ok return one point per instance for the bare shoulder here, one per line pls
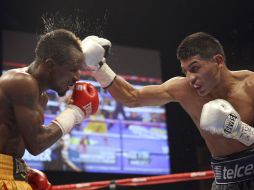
(249, 82)
(177, 86)
(18, 84)
(246, 76)
(243, 74)
(246, 79)
(176, 83)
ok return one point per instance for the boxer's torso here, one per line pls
(11, 142)
(240, 97)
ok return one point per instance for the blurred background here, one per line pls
(145, 35)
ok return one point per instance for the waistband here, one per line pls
(12, 168)
(234, 168)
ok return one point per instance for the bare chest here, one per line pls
(43, 99)
(242, 102)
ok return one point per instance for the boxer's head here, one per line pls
(60, 53)
(200, 43)
(202, 57)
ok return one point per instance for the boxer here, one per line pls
(207, 78)
(58, 60)
(219, 117)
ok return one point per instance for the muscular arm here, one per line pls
(150, 95)
(94, 50)
(23, 93)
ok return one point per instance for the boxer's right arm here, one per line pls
(94, 50)
(23, 94)
(219, 117)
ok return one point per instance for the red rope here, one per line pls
(140, 181)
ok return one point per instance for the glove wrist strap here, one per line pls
(104, 75)
(71, 116)
(246, 134)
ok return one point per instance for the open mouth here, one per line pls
(70, 84)
(197, 86)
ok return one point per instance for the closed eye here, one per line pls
(194, 69)
(74, 70)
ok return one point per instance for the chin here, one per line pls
(61, 93)
(202, 93)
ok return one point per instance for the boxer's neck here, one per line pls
(224, 86)
(38, 72)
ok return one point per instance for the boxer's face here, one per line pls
(64, 76)
(202, 75)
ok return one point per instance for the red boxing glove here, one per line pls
(85, 102)
(85, 96)
(38, 180)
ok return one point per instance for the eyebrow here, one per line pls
(192, 63)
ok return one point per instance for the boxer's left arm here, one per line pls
(38, 180)
(219, 117)
(150, 95)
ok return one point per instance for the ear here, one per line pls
(50, 64)
(219, 59)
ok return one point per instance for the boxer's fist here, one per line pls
(85, 101)
(219, 117)
(105, 43)
(85, 96)
(214, 116)
(38, 180)
(95, 50)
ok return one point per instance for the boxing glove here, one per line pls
(96, 50)
(85, 101)
(38, 180)
(219, 117)
(85, 96)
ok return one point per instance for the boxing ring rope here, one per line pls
(140, 181)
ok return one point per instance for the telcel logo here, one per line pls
(238, 171)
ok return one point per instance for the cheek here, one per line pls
(59, 81)
(211, 76)
(63, 76)
(204, 76)
(208, 76)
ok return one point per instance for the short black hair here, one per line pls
(56, 45)
(200, 43)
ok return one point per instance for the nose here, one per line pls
(76, 76)
(191, 78)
